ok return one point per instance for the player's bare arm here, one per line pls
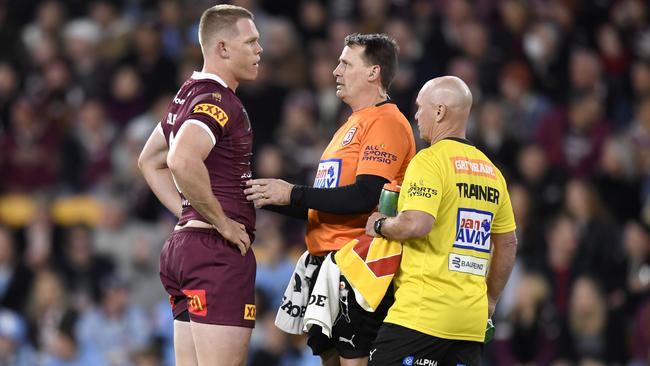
(503, 258)
(406, 225)
(185, 160)
(153, 165)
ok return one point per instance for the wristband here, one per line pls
(377, 226)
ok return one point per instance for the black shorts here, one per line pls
(399, 346)
(355, 329)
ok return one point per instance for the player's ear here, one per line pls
(222, 49)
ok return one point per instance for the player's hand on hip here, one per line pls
(268, 192)
(370, 224)
(235, 233)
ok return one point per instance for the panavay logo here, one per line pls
(473, 230)
(328, 174)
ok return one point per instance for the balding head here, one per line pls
(449, 91)
(444, 104)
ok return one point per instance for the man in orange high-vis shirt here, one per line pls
(373, 147)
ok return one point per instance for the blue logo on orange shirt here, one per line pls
(328, 174)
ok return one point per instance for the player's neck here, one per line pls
(227, 77)
(365, 100)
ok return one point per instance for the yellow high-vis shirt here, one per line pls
(440, 287)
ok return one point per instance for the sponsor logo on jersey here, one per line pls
(171, 118)
(420, 190)
(216, 96)
(348, 136)
(196, 302)
(249, 312)
(178, 100)
(379, 154)
(478, 192)
(463, 165)
(467, 264)
(214, 111)
(328, 174)
(473, 230)
(408, 361)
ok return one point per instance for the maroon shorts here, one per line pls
(209, 278)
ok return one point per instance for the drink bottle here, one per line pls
(489, 331)
(388, 199)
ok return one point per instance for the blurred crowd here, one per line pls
(561, 104)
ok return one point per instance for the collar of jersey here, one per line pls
(206, 75)
(388, 100)
(458, 139)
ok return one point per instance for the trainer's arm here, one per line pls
(185, 160)
(295, 212)
(153, 165)
(358, 198)
(406, 225)
(503, 258)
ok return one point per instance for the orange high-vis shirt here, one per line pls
(376, 140)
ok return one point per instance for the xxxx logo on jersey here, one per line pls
(249, 312)
(218, 114)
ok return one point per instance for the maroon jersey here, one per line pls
(204, 100)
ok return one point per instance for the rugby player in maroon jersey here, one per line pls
(197, 161)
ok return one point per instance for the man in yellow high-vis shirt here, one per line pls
(458, 231)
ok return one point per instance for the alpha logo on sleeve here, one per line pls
(467, 264)
(473, 230)
(463, 165)
(218, 114)
(328, 174)
(196, 303)
(249, 312)
(348, 136)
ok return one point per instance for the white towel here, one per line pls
(323, 308)
(296, 297)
